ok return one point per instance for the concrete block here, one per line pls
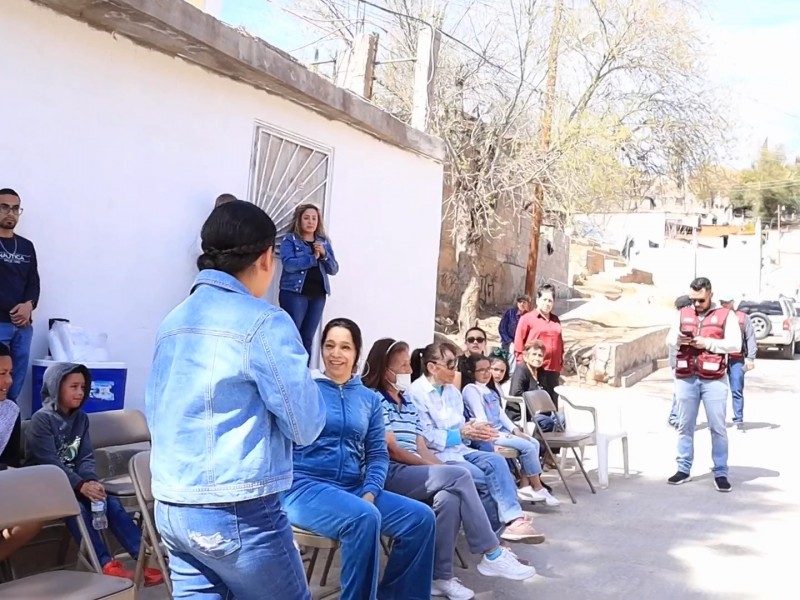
(636, 375)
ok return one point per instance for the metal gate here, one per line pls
(286, 171)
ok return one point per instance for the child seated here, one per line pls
(59, 435)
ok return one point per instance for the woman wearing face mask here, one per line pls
(483, 401)
(415, 472)
(308, 263)
(339, 478)
(541, 324)
(441, 415)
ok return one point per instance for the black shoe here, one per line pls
(722, 484)
(679, 478)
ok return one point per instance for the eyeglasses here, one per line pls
(699, 300)
(473, 340)
(7, 208)
(484, 370)
(450, 365)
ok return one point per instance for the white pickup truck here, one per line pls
(776, 324)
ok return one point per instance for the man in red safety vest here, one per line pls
(741, 361)
(703, 334)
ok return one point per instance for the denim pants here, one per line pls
(242, 550)
(673, 411)
(736, 378)
(306, 312)
(119, 522)
(713, 393)
(18, 341)
(491, 475)
(528, 453)
(456, 504)
(340, 513)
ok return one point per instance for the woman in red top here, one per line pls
(541, 324)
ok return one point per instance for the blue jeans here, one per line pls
(673, 411)
(18, 341)
(119, 522)
(736, 377)
(306, 312)
(713, 393)
(341, 514)
(492, 477)
(528, 453)
(242, 550)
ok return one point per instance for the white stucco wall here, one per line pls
(118, 153)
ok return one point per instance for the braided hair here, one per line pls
(235, 234)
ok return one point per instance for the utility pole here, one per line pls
(358, 69)
(547, 126)
(779, 233)
(428, 42)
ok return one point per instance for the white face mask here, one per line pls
(402, 382)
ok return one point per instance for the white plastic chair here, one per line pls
(605, 423)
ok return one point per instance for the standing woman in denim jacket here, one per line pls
(228, 394)
(338, 484)
(308, 261)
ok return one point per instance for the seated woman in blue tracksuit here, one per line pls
(338, 484)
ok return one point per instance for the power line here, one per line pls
(477, 53)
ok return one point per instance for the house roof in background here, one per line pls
(179, 29)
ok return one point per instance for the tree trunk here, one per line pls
(467, 249)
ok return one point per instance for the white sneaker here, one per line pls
(452, 589)
(506, 565)
(528, 494)
(549, 499)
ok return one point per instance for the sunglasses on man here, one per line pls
(475, 339)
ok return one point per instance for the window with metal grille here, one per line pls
(287, 170)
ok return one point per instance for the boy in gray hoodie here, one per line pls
(59, 435)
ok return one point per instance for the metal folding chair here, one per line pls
(42, 493)
(139, 470)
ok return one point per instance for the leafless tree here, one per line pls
(632, 103)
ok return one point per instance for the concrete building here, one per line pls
(123, 121)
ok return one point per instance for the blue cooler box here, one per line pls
(108, 385)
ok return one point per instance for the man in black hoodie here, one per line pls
(59, 435)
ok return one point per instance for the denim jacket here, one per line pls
(351, 450)
(228, 393)
(297, 258)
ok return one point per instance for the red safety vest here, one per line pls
(692, 361)
(740, 355)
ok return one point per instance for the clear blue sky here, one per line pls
(754, 56)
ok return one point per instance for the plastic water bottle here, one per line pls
(99, 518)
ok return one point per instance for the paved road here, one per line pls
(642, 539)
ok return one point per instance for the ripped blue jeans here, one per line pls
(242, 550)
